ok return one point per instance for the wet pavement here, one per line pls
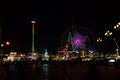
(57, 71)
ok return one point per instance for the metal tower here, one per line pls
(33, 28)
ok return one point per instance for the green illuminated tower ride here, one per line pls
(33, 28)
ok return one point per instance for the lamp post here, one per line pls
(117, 47)
(99, 40)
(7, 43)
(108, 34)
(117, 27)
(5, 46)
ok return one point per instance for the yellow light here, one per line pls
(7, 43)
(115, 27)
(99, 40)
(2, 45)
(108, 33)
(119, 23)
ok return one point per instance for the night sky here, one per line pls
(52, 20)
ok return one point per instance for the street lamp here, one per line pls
(99, 40)
(2, 45)
(117, 27)
(7, 43)
(108, 33)
(117, 47)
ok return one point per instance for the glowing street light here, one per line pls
(2, 45)
(5, 46)
(99, 40)
(7, 43)
(117, 27)
(108, 33)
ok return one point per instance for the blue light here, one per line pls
(77, 51)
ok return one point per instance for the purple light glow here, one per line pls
(78, 41)
(78, 38)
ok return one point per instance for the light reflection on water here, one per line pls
(45, 71)
(52, 71)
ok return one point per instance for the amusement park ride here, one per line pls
(77, 41)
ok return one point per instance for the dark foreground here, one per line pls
(58, 71)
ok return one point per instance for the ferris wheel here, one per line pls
(78, 38)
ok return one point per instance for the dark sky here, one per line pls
(53, 18)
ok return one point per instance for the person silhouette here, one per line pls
(92, 73)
